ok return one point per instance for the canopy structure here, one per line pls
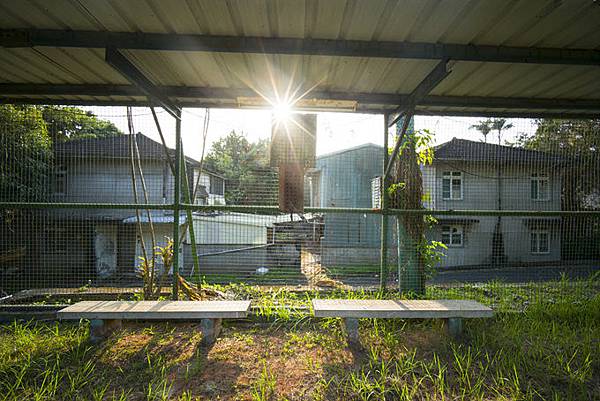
(530, 58)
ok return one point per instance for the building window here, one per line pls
(217, 185)
(452, 235)
(540, 242)
(59, 182)
(452, 185)
(540, 187)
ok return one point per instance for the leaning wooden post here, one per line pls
(383, 269)
(176, 205)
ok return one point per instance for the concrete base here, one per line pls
(101, 329)
(454, 326)
(210, 330)
(352, 330)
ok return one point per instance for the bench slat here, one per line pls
(155, 310)
(416, 309)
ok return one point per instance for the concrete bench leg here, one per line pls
(101, 329)
(352, 330)
(454, 327)
(210, 330)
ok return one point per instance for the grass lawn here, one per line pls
(543, 344)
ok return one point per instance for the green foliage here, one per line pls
(416, 255)
(26, 154)
(496, 124)
(152, 274)
(431, 253)
(68, 123)
(484, 127)
(245, 165)
(264, 387)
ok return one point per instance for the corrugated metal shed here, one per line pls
(540, 36)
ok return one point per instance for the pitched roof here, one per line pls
(352, 149)
(117, 147)
(465, 150)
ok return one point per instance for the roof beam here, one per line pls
(557, 114)
(585, 113)
(432, 79)
(119, 62)
(231, 94)
(325, 47)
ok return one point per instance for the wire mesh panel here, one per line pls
(88, 203)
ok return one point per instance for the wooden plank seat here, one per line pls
(452, 311)
(107, 316)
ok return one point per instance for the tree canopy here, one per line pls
(26, 137)
(245, 165)
(26, 151)
(496, 124)
(68, 123)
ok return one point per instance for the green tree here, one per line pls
(250, 180)
(484, 127)
(499, 125)
(26, 151)
(25, 160)
(68, 123)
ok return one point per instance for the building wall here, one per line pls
(217, 230)
(109, 181)
(345, 178)
(345, 181)
(480, 187)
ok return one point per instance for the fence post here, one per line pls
(383, 273)
(176, 205)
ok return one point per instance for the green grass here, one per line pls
(542, 344)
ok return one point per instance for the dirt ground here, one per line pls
(246, 358)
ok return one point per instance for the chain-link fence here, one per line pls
(90, 203)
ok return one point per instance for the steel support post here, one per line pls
(383, 266)
(176, 205)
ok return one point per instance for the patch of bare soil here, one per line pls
(243, 360)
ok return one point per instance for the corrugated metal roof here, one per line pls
(526, 23)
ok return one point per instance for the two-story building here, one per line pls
(469, 175)
(103, 242)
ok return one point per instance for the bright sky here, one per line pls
(335, 131)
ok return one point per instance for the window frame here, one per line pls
(449, 232)
(536, 250)
(537, 178)
(451, 176)
(211, 186)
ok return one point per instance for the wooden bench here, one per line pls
(452, 311)
(107, 316)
